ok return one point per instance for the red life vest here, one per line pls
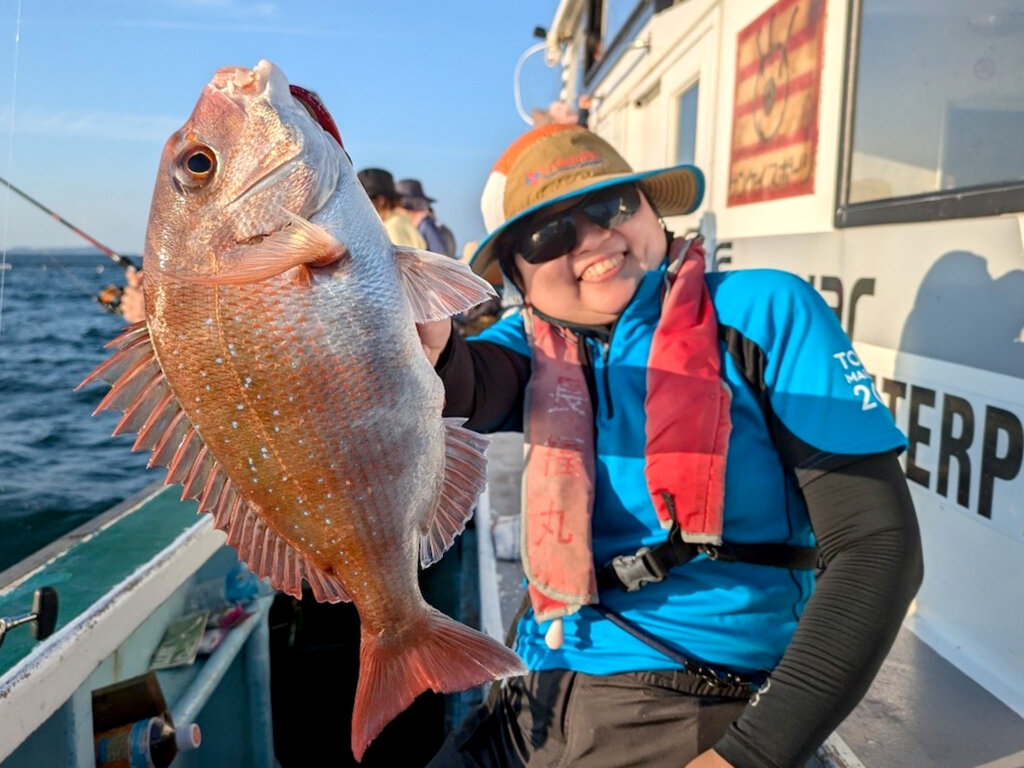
(687, 436)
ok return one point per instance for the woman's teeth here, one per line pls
(594, 271)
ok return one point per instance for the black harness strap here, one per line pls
(715, 678)
(652, 564)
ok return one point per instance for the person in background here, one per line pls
(133, 303)
(718, 538)
(380, 188)
(561, 113)
(416, 206)
(585, 102)
(447, 235)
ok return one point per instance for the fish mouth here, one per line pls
(240, 85)
(267, 82)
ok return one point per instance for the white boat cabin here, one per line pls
(873, 147)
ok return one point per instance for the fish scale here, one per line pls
(238, 362)
(279, 376)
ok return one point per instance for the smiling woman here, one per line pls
(87, 96)
(603, 269)
(653, 397)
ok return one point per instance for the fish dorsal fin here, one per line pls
(140, 389)
(439, 286)
(465, 475)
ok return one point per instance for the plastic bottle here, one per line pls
(237, 587)
(149, 743)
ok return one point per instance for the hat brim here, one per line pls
(672, 191)
(415, 203)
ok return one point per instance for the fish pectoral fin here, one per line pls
(439, 286)
(465, 475)
(140, 389)
(300, 244)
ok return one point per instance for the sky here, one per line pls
(91, 89)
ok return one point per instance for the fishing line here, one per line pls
(10, 161)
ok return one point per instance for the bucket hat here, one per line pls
(377, 181)
(556, 162)
(412, 196)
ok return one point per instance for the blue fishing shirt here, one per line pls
(735, 615)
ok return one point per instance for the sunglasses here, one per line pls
(544, 238)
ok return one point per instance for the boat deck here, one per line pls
(122, 580)
(920, 712)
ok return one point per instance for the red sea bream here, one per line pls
(279, 377)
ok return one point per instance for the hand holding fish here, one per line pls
(279, 377)
(434, 338)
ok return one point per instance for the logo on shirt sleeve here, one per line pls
(863, 386)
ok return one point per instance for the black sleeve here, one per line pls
(484, 382)
(864, 522)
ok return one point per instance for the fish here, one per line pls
(279, 377)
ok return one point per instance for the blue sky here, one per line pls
(91, 89)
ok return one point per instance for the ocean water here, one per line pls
(58, 464)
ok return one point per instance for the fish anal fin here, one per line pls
(439, 654)
(439, 286)
(271, 557)
(465, 476)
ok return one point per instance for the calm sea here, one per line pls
(58, 464)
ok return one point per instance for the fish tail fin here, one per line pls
(443, 656)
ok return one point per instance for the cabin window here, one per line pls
(935, 111)
(616, 14)
(609, 28)
(686, 125)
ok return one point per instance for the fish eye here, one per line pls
(195, 166)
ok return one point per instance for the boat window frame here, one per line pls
(960, 203)
(616, 48)
(676, 105)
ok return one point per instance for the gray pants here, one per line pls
(654, 719)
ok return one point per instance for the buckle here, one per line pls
(711, 551)
(636, 570)
(715, 678)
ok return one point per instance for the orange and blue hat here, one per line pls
(556, 162)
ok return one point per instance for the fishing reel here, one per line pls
(43, 616)
(110, 298)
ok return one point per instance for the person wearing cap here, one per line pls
(416, 206)
(379, 186)
(718, 540)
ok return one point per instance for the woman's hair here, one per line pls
(509, 268)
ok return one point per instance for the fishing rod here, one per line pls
(110, 296)
(122, 261)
